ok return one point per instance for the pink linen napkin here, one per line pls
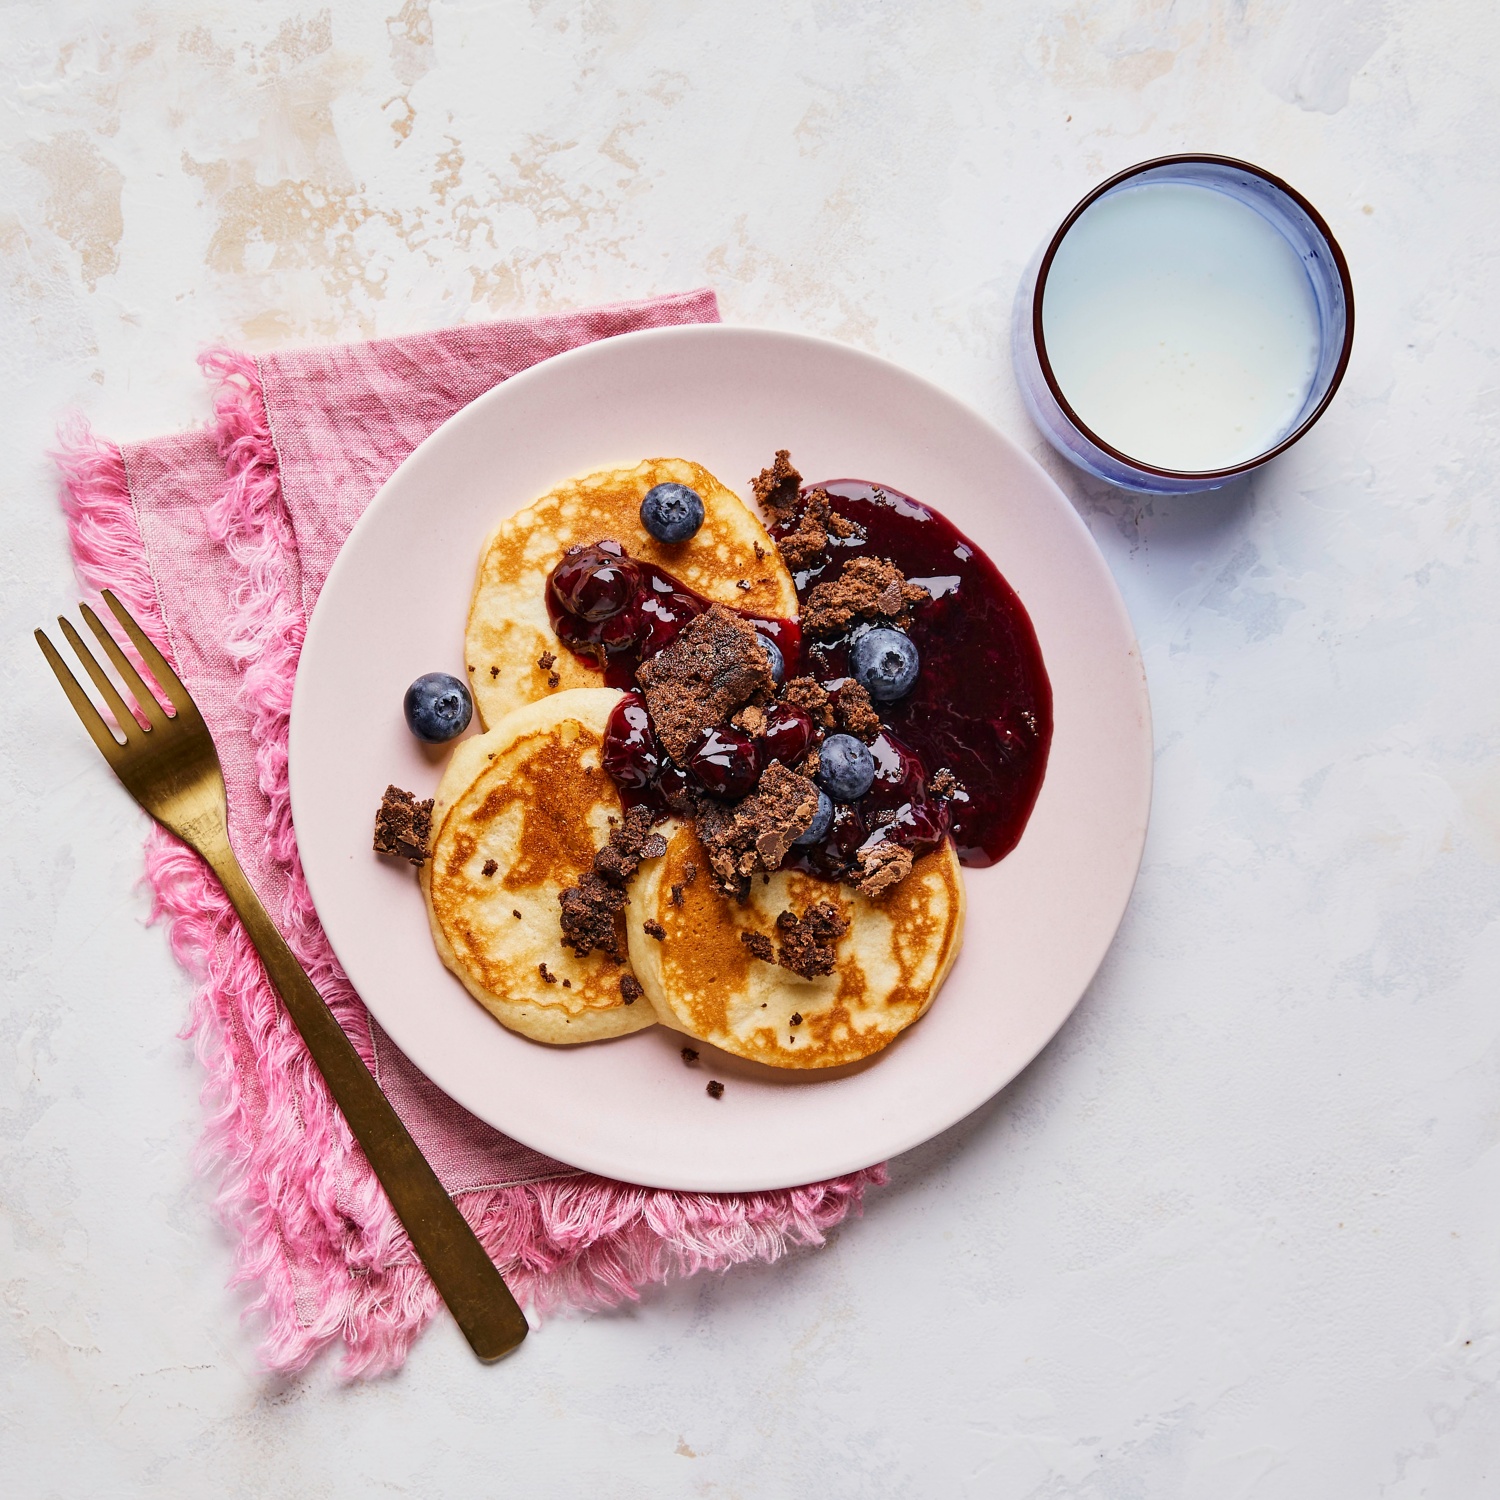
(219, 541)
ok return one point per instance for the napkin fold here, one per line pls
(219, 541)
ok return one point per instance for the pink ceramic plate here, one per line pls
(394, 607)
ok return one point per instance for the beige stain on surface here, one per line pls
(83, 200)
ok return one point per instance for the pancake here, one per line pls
(533, 796)
(508, 629)
(704, 981)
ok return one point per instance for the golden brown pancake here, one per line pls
(704, 981)
(508, 629)
(531, 801)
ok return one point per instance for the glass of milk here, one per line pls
(1190, 319)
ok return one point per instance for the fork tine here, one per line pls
(112, 699)
(161, 668)
(150, 704)
(83, 706)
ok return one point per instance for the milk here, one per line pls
(1181, 326)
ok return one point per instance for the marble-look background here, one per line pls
(1237, 1234)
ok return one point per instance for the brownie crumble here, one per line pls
(855, 712)
(655, 930)
(629, 843)
(755, 836)
(806, 546)
(777, 490)
(807, 942)
(807, 693)
(676, 896)
(494, 672)
(403, 826)
(689, 872)
(760, 552)
(715, 1089)
(545, 661)
(553, 679)
(489, 867)
(516, 915)
(946, 784)
(590, 911)
(759, 945)
(714, 667)
(630, 989)
(882, 865)
(547, 976)
(796, 1018)
(690, 1055)
(567, 984)
(868, 588)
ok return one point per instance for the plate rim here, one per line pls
(477, 411)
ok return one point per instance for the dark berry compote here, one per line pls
(615, 611)
(981, 705)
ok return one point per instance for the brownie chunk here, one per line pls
(403, 826)
(755, 836)
(807, 942)
(881, 866)
(630, 989)
(807, 693)
(629, 843)
(806, 546)
(714, 667)
(715, 1089)
(758, 944)
(777, 490)
(869, 588)
(655, 930)
(855, 712)
(590, 917)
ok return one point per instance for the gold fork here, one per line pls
(169, 765)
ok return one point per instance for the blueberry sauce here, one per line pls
(982, 703)
(615, 611)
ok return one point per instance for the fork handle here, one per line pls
(460, 1268)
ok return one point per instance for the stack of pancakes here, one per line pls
(522, 808)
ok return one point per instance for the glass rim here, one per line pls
(1039, 342)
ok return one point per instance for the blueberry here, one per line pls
(885, 663)
(672, 512)
(438, 707)
(821, 819)
(778, 661)
(847, 769)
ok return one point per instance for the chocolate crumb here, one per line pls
(630, 988)
(689, 1055)
(489, 867)
(676, 897)
(547, 977)
(545, 661)
(689, 872)
(715, 1089)
(880, 866)
(629, 843)
(856, 713)
(494, 672)
(806, 547)
(590, 912)
(403, 826)
(567, 984)
(760, 552)
(808, 942)
(946, 784)
(755, 836)
(758, 944)
(655, 930)
(714, 667)
(752, 719)
(471, 668)
(553, 679)
(869, 588)
(796, 1018)
(516, 915)
(777, 490)
(806, 693)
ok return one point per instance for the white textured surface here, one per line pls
(1237, 1234)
